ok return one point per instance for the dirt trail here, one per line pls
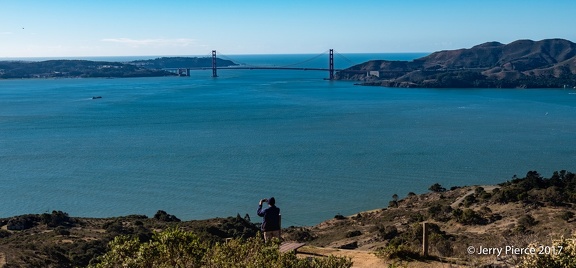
(367, 259)
(2, 259)
(487, 188)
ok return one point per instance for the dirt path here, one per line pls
(487, 188)
(367, 259)
(360, 258)
(2, 259)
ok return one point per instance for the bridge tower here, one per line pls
(331, 66)
(214, 74)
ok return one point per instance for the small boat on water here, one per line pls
(96, 97)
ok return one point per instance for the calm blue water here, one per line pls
(199, 147)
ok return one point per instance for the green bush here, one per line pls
(57, 218)
(162, 215)
(339, 217)
(562, 254)
(62, 231)
(4, 233)
(437, 188)
(353, 233)
(402, 252)
(176, 248)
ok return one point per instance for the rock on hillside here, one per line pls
(523, 63)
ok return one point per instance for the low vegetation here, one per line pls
(177, 248)
(521, 212)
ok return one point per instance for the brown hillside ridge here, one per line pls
(523, 63)
(514, 214)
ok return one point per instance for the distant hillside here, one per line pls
(85, 68)
(73, 69)
(523, 63)
(181, 62)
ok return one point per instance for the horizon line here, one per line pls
(206, 55)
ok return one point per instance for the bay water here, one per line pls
(200, 147)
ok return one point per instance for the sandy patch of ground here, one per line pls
(2, 259)
(367, 259)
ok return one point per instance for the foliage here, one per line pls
(402, 252)
(339, 217)
(437, 188)
(299, 234)
(388, 232)
(4, 233)
(22, 222)
(57, 218)
(468, 217)
(556, 258)
(177, 248)
(162, 215)
(557, 190)
(353, 233)
(440, 212)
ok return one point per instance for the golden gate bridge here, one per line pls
(185, 71)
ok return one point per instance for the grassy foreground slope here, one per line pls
(522, 212)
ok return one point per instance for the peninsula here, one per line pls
(549, 63)
(87, 69)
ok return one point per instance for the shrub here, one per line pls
(527, 220)
(388, 232)
(22, 222)
(469, 200)
(437, 188)
(353, 233)
(402, 251)
(176, 248)
(567, 215)
(161, 215)
(564, 258)
(468, 217)
(339, 217)
(62, 231)
(4, 233)
(57, 218)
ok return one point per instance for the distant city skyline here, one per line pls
(63, 28)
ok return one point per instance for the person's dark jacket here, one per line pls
(271, 216)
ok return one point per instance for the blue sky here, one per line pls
(66, 28)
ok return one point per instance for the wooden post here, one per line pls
(425, 239)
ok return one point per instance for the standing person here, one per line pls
(271, 221)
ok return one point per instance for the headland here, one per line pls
(549, 63)
(94, 69)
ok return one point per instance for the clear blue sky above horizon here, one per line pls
(65, 28)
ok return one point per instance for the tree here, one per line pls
(437, 188)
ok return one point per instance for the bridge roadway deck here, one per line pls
(281, 68)
(255, 68)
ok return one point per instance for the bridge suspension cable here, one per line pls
(224, 56)
(305, 61)
(345, 59)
